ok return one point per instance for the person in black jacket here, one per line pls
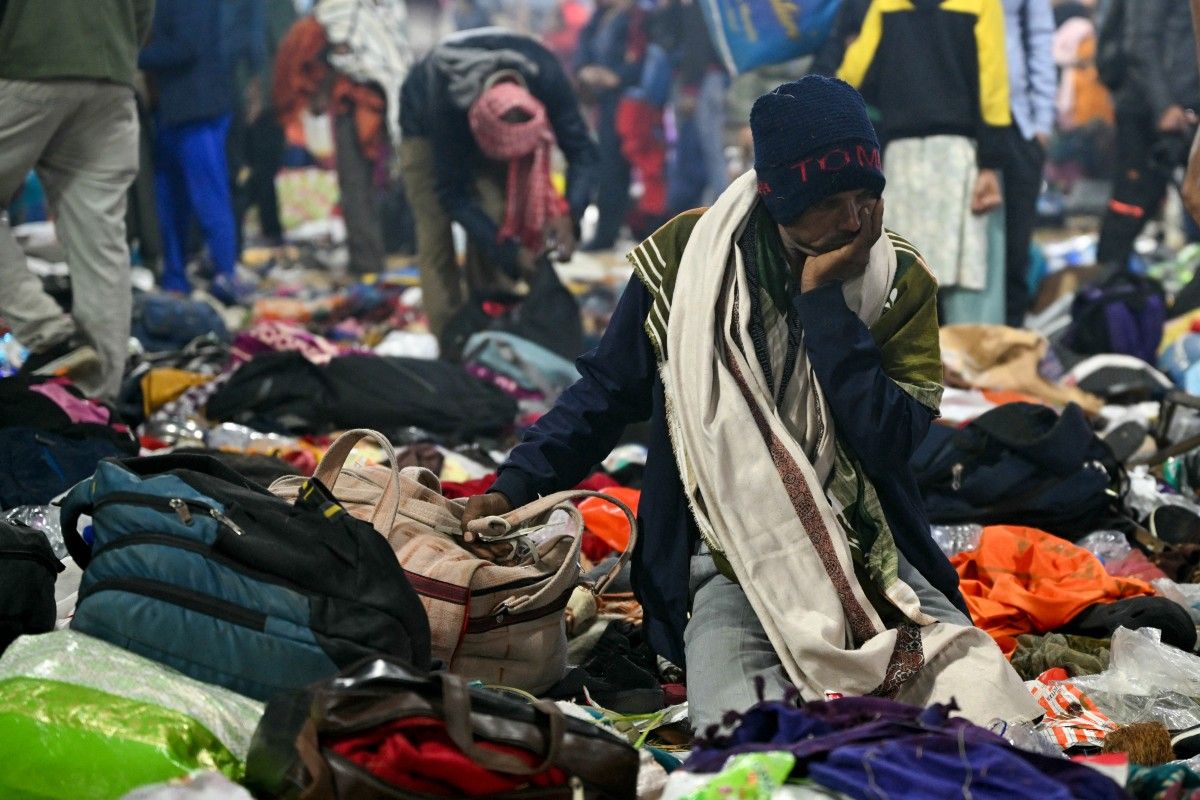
(195, 101)
(449, 177)
(1156, 97)
(937, 71)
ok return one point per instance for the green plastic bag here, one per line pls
(83, 719)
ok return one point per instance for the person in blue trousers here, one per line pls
(195, 102)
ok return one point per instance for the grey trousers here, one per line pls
(82, 139)
(727, 648)
(356, 184)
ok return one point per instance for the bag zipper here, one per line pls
(192, 546)
(180, 507)
(200, 603)
(24, 555)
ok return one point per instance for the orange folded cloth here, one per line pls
(1022, 580)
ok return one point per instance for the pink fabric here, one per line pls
(278, 336)
(78, 409)
(1134, 565)
(527, 147)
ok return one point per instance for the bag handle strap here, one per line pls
(563, 581)
(334, 460)
(334, 463)
(498, 527)
(456, 708)
(77, 548)
(308, 748)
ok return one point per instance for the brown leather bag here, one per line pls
(496, 595)
(377, 692)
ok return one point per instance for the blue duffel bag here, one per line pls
(194, 566)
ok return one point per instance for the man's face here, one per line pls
(829, 225)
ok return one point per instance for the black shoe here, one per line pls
(69, 358)
(1187, 743)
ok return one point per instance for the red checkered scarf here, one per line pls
(526, 146)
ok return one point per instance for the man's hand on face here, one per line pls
(987, 196)
(561, 231)
(849, 261)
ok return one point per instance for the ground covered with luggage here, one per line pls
(249, 576)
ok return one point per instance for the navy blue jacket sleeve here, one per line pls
(882, 424)
(574, 139)
(615, 389)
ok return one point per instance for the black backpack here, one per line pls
(548, 316)
(43, 451)
(1112, 62)
(28, 570)
(1124, 314)
(1019, 464)
(192, 565)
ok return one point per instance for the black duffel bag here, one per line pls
(286, 393)
(1019, 464)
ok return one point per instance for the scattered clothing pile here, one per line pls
(248, 577)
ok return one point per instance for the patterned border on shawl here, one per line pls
(802, 501)
(908, 656)
(907, 660)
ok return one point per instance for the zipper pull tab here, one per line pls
(956, 480)
(577, 792)
(226, 521)
(181, 510)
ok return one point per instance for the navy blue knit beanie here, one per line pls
(812, 139)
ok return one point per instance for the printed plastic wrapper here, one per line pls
(73, 658)
(1106, 545)
(749, 776)
(955, 539)
(201, 786)
(1146, 681)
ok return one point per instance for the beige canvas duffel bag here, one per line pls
(495, 595)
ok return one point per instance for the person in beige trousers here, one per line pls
(67, 111)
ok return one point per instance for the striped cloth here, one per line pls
(376, 48)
